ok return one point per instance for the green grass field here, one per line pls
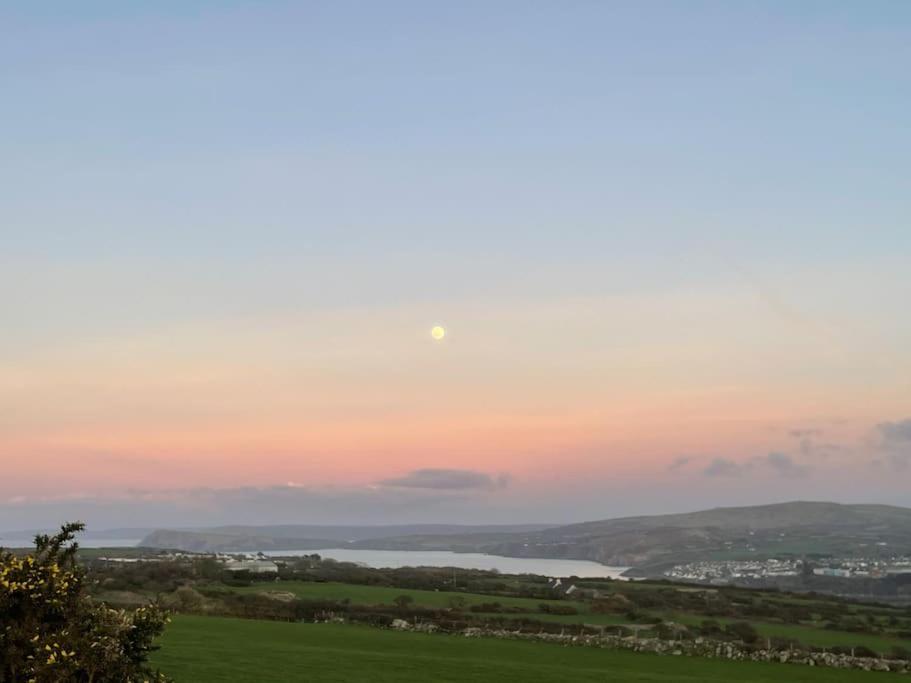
(808, 635)
(381, 595)
(377, 595)
(204, 649)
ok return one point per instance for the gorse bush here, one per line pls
(50, 631)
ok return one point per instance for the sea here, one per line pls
(390, 559)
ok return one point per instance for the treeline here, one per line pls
(732, 603)
(162, 576)
(217, 601)
(418, 578)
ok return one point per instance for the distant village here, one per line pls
(718, 572)
(255, 563)
(725, 571)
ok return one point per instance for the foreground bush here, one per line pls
(50, 631)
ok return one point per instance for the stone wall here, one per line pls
(699, 647)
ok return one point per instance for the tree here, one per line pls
(51, 631)
(710, 627)
(209, 568)
(403, 601)
(743, 630)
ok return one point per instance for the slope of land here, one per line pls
(652, 542)
(653, 616)
(362, 532)
(216, 649)
(308, 537)
(814, 632)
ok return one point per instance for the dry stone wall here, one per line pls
(699, 647)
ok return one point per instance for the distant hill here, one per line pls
(311, 537)
(26, 536)
(359, 533)
(211, 541)
(650, 544)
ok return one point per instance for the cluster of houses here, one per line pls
(255, 563)
(558, 586)
(721, 572)
(861, 567)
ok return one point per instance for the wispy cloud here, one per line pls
(895, 432)
(805, 433)
(679, 463)
(723, 467)
(292, 503)
(893, 444)
(447, 480)
(810, 443)
(784, 465)
(781, 464)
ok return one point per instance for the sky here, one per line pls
(669, 243)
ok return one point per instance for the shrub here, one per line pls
(51, 631)
(403, 601)
(849, 623)
(483, 607)
(667, 632)
(548, 608)
(709, 627)
(615, 603)
(856, 651)
(781, 643)
(744, 631)
(864, 651)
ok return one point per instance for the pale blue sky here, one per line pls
(183, 168)
(642, 144)
(526, 128)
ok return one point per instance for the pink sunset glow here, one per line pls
(223, 256)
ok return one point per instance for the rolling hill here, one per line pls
(647, 543)
(310, 537)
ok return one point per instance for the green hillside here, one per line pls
(649, 544)
(808, 634)
(653, 542)
(212, 649)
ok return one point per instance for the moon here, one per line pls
(438, 333)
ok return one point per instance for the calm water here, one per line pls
(83, 542)
(110, 543)
(382, 559)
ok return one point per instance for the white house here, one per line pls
(254, 566)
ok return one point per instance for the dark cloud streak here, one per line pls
(447, 480)
(679, 463)
(784, 465)
(723, 467)
(893, 433)
(781, 464)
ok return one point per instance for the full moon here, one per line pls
(438, 333)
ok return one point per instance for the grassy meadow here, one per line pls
(215, 649)
(382, 595)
